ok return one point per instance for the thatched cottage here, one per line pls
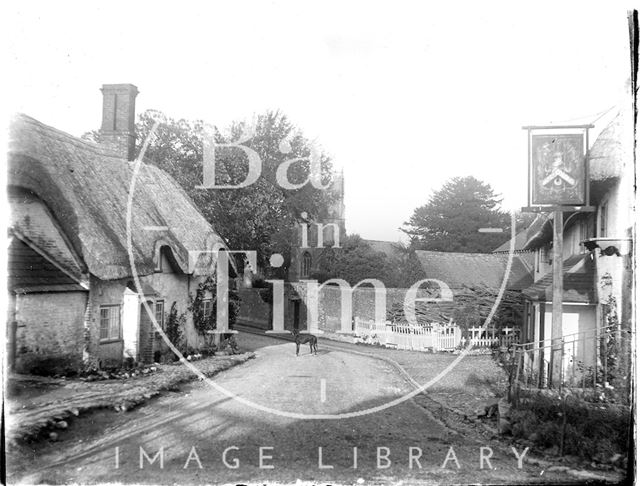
(72, 254)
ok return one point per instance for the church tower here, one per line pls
(315, 235)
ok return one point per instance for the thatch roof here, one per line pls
(86, 188)
(612, 149)
(464, 270)
(31, 222)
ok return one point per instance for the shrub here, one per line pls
(589, 430)
(230, 344)
(174, 325)
(90, 365)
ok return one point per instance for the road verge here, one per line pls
(34, 418)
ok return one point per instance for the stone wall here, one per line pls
(256, 313)
(49, 325)
(363, 305)
(103, 292)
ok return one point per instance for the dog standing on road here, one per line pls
(304, 339)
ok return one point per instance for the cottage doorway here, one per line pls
(145, 341)
(571, 336)
(130, 318)
(571, 342)
(296, 314)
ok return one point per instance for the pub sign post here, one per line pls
(558, 181)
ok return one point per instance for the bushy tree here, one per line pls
(356, 260)
(353, 261)
(403, 267)
(259, 217)
(453, 215)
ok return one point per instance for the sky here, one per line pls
(402, 95)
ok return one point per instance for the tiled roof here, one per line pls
(540, 231)
(578, 282)
(521, 240)
(87, 189)
(460, 270)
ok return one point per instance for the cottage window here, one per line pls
(206, 307)
(158, 268)
(306, 264)
(160, 313)
(109, 322)
(160, 256)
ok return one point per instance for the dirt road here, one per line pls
(195, 427)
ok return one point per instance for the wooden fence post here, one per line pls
(520, 359)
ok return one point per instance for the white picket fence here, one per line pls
(403, 336)
(485, 338)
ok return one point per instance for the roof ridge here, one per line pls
(61, 135)
(490, 254)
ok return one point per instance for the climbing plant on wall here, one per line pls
(204, 316)
(610, 347)
(174, 325)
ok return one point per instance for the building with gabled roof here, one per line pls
(468, 270)
(518, 245)
(87, 222)
(579, 275)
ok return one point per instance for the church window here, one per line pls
(306, 264)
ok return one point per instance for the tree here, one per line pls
(356, 261)
(403, 268)
(259, 217)
(353, 261)
(451, 219)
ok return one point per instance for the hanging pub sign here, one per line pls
(558, 172)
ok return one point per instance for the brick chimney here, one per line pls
(118, 118)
